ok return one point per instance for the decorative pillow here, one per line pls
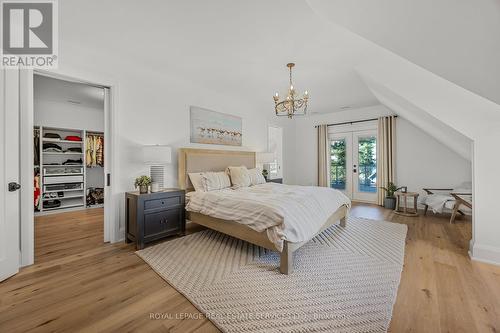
(256, 176)
(215, 181)
(239, 176)
(197, 181)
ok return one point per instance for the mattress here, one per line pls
(286, 212)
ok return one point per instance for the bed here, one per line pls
(202, 160)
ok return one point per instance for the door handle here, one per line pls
(14, 187)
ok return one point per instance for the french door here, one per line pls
(353, 164)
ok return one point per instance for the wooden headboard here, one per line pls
(199, 160)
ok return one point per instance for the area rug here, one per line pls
(344, 280)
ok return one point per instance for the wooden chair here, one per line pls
(456, 205)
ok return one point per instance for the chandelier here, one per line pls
(292, 105)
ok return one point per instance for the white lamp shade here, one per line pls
(265, 157)
(157, 154)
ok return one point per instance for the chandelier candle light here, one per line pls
(292, 105)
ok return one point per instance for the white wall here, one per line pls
(67, 115)
(421, 160)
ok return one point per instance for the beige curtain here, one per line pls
(323, 156)
(386, 151)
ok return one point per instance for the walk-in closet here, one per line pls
(68, 146)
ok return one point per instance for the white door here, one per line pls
(9, 174)
(364, 166)
(341, 163)
(275, 145)
(353, 167)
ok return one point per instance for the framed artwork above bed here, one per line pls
(211, 127)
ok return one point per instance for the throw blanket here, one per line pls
(437, 202)
(285, 212)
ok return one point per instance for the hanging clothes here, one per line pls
(100, 152)
(94, 154)
(36, 146)
(37, 191)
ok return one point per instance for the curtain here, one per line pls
(386, 152)
(323, 156)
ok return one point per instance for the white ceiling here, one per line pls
(54, 90)
(457, 40)
(239, 48)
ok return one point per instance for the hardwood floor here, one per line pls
(79, 284)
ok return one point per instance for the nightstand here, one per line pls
(153, 216)
(275, 180)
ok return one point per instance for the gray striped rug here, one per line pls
(344, 280)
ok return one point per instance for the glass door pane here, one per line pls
(367, 168)
(338, 167)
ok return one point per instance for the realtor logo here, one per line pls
(29, 34)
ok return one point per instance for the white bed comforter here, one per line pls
(286, 212)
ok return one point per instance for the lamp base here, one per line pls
(157, 174)
(155, 187)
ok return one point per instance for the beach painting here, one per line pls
(213, 127)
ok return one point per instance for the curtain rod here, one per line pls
(352, 122)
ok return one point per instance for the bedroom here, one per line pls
(230, 57)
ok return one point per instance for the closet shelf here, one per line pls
(63, 198)
(64, 206)
(60, 165)
(56, 153)
(62, 141)
(67, 190)
(64, 174)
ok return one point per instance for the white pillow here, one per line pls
(239, 176)
(215, 181)
(197, 181)
(256, 176)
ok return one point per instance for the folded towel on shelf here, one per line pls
(73, 162)
(73, 138)
(74, 150)
(52, 136)
(48, 146)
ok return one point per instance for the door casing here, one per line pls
(112, 231)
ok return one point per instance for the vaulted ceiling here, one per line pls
(240, 48)
(457, 40)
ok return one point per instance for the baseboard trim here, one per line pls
(486, 254)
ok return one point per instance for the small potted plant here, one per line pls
(390, 199)
(142, 183)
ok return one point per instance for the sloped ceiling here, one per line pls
(457, 40)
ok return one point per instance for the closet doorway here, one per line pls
(69, 165)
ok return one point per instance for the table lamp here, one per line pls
(157, 156)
